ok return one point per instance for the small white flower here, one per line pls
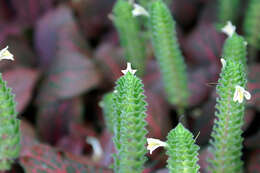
(128, 69)
(154, 143)
(245, 43)
(223, 62)
(239, 94)
(229, 29)
(5, 54)
(139, 10)
(97, 149)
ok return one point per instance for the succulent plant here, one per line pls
(168, 54)
(226, 142)
(131, 40)
(129, 123)
(9, 127)
(182, 151)
(252, 24)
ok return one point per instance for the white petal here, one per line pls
(247, 95)
(97, 149)
(139, 10)
(223, 62)
(128, 69)
(154, 143)
(229, 29)
(240, 93)
(158, 141)
(5, 54)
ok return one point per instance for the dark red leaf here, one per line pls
(157, 116)
(50, 160)
(185, 11)
(72, 144)
(152, 80)
(96, 13)
(75, 141)
(28, 136)
(249, 117)
(198, 82)
(54, 119)
(165, 170)
(253, 141)
(108, 148)
(23, 53)
(7, 29)
(22, 81)
(70, 75)
(254, 162)
(5, 12)
(204, 118)
(71, 72)
(254, 85)
(47, 33)
(203, 45)
(203, 157)
(110, 60)
(28, 11)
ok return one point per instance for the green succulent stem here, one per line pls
(108, 110)
(252, 24)
(226, 142)
(9, 128)
(168, 54)
(235, 48)
(182, 151)
(129, 31)
(228, 11)
(129, 125)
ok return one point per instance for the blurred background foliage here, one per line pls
(67, 56)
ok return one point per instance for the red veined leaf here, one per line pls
(54, 119)
(96, 13)
(110, 60)
(43, 158)
(22, 81)
(28, 11)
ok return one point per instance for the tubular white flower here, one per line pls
(97, 149)
(5, 54)
(128, 69)
(139, 11)
(154, 143)
(240, 93)
(223, 62)
(229, 29)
